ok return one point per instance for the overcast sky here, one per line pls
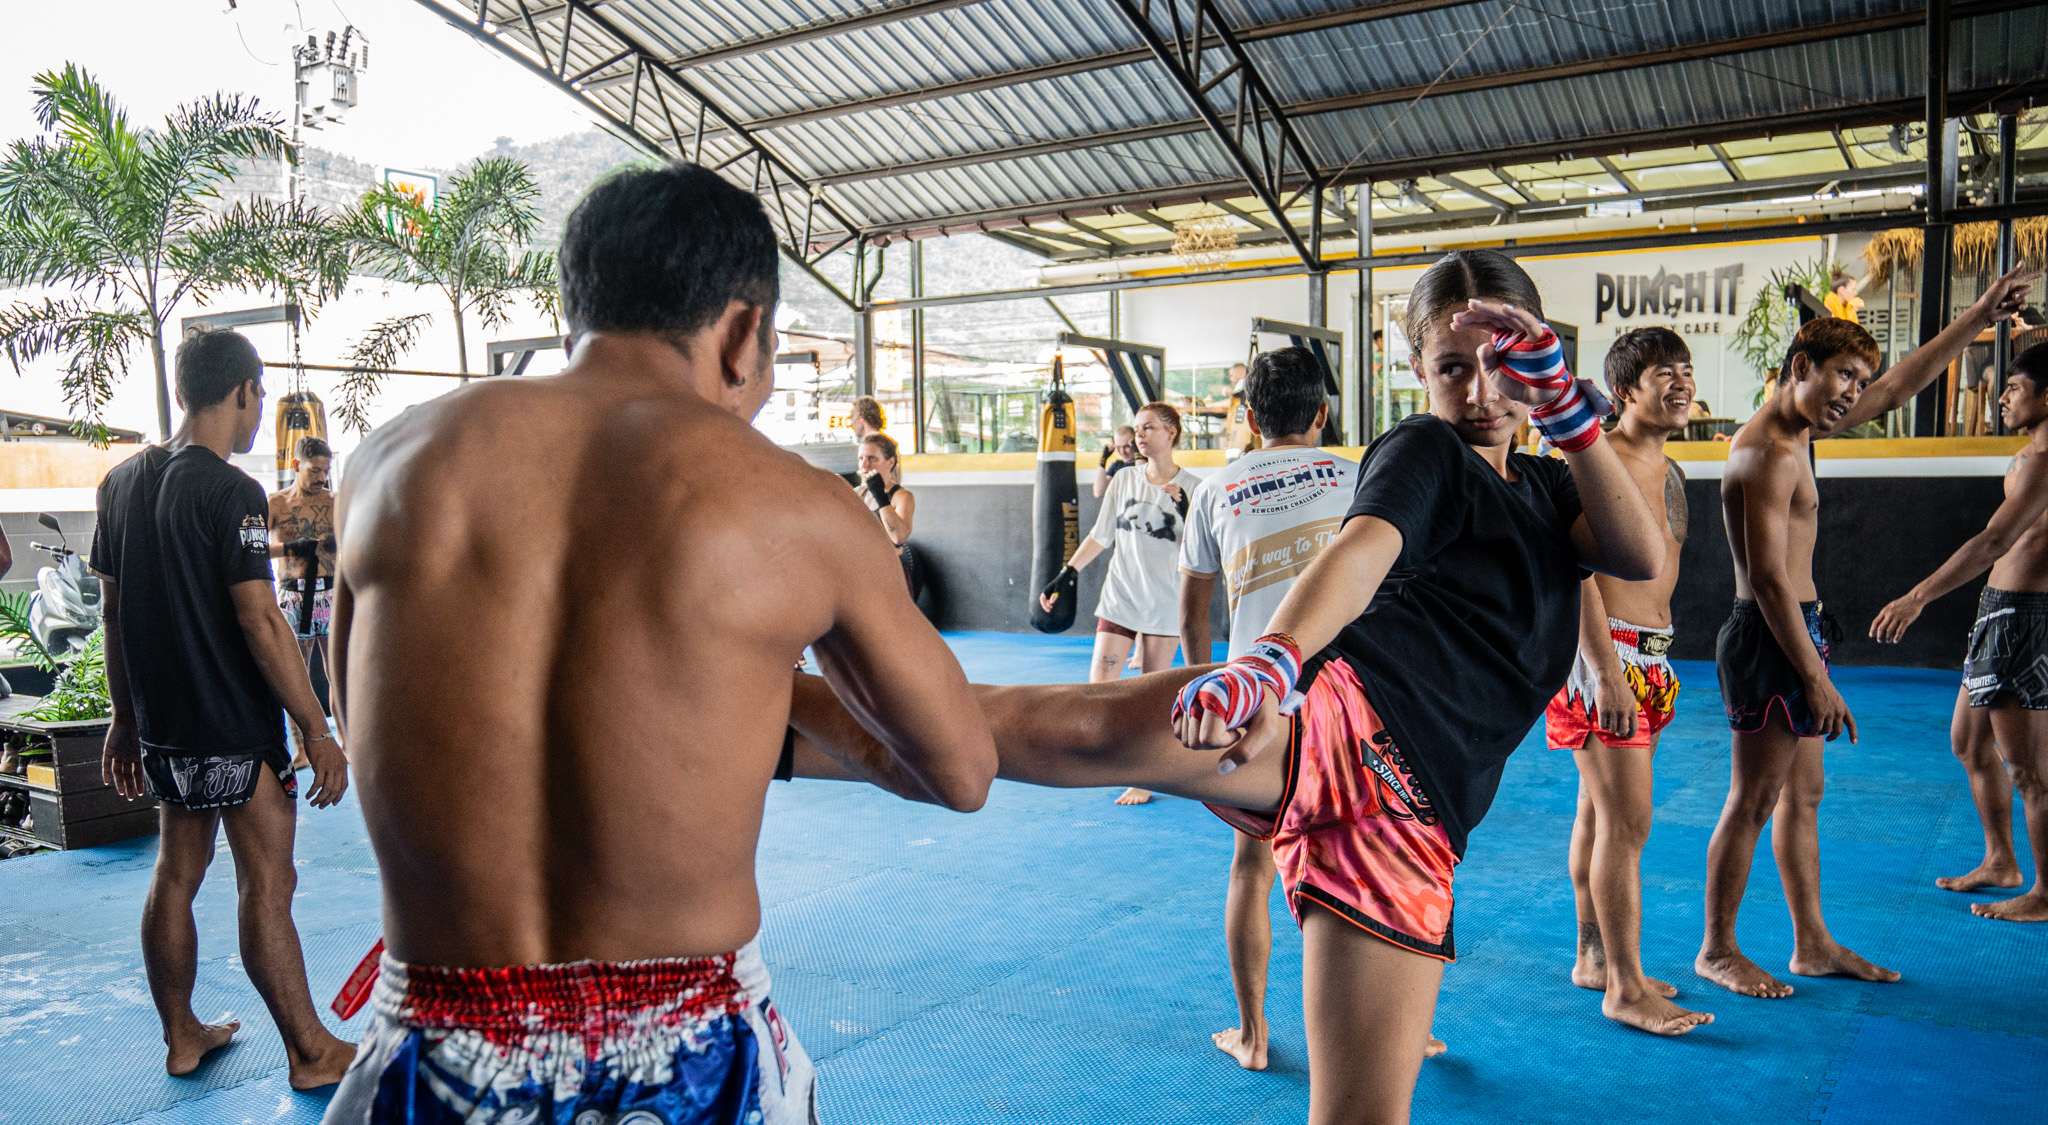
(431, 96)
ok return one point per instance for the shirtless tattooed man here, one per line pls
(2002, 709)
(1622, 694)
(302, 537)
(1435, 626)
(1772, 655)
(565, 723)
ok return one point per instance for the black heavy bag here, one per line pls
(1055, 510)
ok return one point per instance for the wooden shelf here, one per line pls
(12, 781)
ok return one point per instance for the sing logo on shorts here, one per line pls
(255, 536)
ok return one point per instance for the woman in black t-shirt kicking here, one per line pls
(1439, 624)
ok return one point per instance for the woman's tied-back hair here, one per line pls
(1166, 414)
(888, 448)
(1461, 276)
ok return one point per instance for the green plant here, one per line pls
(1766, 329)
(472, 243)
(14, 626)
(130, 219)
(80, 690)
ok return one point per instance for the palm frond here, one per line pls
(370, 360)
(98, 342)
(73, 104)
(14, 626)
(260, 244)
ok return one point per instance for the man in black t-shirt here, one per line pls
(1440, 622)
(199, 660)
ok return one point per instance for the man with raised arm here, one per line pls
(1623, 692)
(2005, 671)
(565, 713)
(1772, 652)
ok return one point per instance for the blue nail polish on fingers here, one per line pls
(1225, 766)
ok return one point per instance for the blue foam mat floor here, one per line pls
(1056, 958)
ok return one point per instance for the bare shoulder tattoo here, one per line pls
(1675, 509)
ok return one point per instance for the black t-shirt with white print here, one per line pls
(1474, 629)
(177, 528)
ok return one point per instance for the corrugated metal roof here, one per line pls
(886, 117)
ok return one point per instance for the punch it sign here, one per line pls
(1667, 293)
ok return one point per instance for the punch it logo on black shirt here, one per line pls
(255, 535)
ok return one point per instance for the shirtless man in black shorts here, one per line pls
(2004, 697)
(565, 711)
(1772, 655)
(302, 540)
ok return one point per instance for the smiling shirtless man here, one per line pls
(565, 710)
(1772, 653)
(1622, 694)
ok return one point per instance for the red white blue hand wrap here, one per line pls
(1235, 690)
(1571, 419)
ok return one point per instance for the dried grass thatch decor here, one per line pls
(1976, 248)
(1204, 241)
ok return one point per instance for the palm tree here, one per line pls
(471, 243)
(131, 220)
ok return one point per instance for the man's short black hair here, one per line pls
(2032, 363)
(1639, 349)
(211, 365)
(1284, 391)
(664, 250)
(310, 447)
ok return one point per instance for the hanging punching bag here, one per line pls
(1055, 510)
(299, 415)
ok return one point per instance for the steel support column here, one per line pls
(917, 345)
(1359, 413)
(1940, 199)
(2008, 183)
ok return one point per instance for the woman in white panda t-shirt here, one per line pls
(1143, 515)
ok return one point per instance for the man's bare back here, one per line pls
(570, 607)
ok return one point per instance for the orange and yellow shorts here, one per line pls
(1645, 660)
(1354, 833)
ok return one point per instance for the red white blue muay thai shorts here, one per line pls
(665, 1042)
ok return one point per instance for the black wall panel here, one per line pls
(1878, 536)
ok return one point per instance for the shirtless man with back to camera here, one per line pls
(565, 712)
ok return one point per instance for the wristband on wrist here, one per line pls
(1235, 691)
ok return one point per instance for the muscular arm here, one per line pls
(1615, 533)
(2020, 510)
(1196, 592)
(897, 516)
(895, 674)
(1910, 375)
(1766, 529)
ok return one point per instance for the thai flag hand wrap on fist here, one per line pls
(1569, 421)
(1235, 690)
